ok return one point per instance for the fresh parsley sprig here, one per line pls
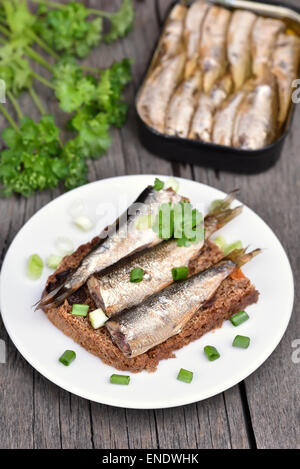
(35, 157)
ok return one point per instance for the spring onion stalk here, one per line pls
(35, 267)
(80, 310)
(185, 376)
(136, 275)
(97, 318)
(53, 261)
(172, 183)
(211, 353)
(220, 241)
(64, 245)
(180, 273)
(67, 357)
(215, 204)
(232, 247)
(144, 222)
(241, 341)
(239, 318)
(84, 223)
(120, 379)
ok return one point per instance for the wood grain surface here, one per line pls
(263, 411)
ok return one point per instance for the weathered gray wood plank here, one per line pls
(36, 413)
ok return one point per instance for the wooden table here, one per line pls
(263, 411)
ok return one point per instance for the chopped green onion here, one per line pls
(220, 241)
(232, 247)
(158, 184)
(180, 273)
(241, 341)
(211, 353)
(97, 318)
(53, 261)
(172, 183)
(77, 208)
(84, 223)
(67, 357)
(239, 318)
(120, 379)
(216, 204)
(80, 310)
(64, 245)
(144, 222)
(136, 275)
(185, 375)
(35, 267)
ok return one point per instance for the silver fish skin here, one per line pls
(157, 91)
(264, 36)
(192, 34)
(213, 47)
(225, 120)
(255, 123)
(285, 67)
(122, 239)
(113, 292)
(160, 317)
(182, 106)
(171, 40)
(203, 120)
(239, 45)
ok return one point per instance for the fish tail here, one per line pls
(223, 217)
(54, 298)
(240, 257)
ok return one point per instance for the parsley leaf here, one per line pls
(121, 22)
(158, 184)
(67, 30)
(31, 162)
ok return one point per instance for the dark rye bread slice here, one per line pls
(234, 294)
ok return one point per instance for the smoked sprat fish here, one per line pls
(255, 123)
(156, 92)
(171, 41)
(113, 292)
(182, 106)
(239, 46)
(164, 315)
(120, 240)
(203, 120)
(285, 68)
(225, 120)
(264, 36)
(192, 34)
(213, 46)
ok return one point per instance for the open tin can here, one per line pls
(196, 152)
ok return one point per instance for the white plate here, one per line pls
(41, 343)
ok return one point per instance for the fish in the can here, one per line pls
(182, 105)
(285, 68)
(213, 53)
(239, 45)
(264, 36)
(156, 92)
